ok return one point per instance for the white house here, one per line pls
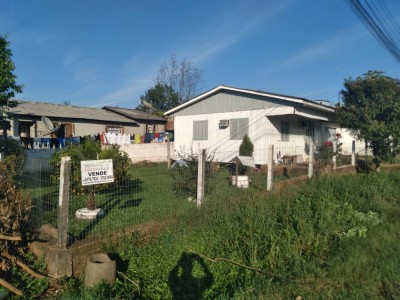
(218, 119)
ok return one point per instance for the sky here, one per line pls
(95, 53)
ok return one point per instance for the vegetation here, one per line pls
(371, 108)
(15, 209)
(162, 97)
(91, 150)
(184, 173)
(8, 84)
(246, 147)
(332, 238)
(182, 76)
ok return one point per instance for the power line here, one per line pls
(380, 23)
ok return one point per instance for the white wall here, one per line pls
(154, 152)
(263, 131)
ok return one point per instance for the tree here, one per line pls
(246, 148)
(162, 97)
(183, 77)
(8, 85)
(371, 108)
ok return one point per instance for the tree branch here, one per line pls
(219, 259)
(10, 238)
(22, 265)
(10, 287)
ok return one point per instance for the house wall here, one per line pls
(263, 131)
(80, 128)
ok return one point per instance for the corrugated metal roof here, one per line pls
(134, 113)
(30, 108)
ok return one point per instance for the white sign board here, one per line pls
(97, 171)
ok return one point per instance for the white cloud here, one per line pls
(231, 28)
(323, 49)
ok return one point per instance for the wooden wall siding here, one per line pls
(263, 131)
(229, 101)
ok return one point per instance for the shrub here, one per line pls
(246, 148)
(184, 173)
(91, 150)
(11, 147)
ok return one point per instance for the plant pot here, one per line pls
(99, 267)
(243, 181)
(89, 214)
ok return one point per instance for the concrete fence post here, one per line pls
(353, 153)
(311, 161)
(63, 202)
(334, 157)
(201, 174)
(168, 151)
(58, 259)
(270, 163)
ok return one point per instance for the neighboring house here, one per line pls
(147, 122)
(218, 119)
(73, 121)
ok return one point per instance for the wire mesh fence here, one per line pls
(149, 191)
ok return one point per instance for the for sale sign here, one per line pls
(97, 171)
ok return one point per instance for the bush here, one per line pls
(246, 148)
(91, 150)
(11, 147)
(184, 173)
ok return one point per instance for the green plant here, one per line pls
(11, 147)
(92, 150)
(246, 148)
(184, 173)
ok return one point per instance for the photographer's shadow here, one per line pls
(190, 277)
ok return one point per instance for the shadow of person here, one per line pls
(190, 277)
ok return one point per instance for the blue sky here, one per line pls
(97, 52)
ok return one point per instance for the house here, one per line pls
(147, 122)
(73, 121)
(218, 119)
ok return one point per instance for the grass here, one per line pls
(328, 238)
(333, 238)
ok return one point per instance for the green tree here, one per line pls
(371, 108)
(8, 84)
(162, 97)
(246, 148)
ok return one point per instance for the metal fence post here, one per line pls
(353, 153)
(270, 164)
(311, 161)
(201, 174)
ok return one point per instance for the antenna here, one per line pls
(147, 104)
(49, 125)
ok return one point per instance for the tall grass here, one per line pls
(332, 238)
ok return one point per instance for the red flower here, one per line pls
(328, 144)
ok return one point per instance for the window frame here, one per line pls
(199, 132)
(237, 129)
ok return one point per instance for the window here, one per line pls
(200, 130)
(114, 129)
(239, 127)
(285, 126)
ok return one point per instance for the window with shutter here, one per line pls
(200, 130)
